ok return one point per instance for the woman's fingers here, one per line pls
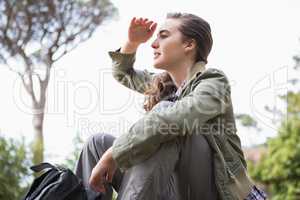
(133, 21)
(140, 21)
(141, 29)
(98, 177)
(148, 24)
(153, 27)
(144, 21)
(97, 182)
(110, 175)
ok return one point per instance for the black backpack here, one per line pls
(56, 183)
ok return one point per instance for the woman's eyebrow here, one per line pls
(162, 31)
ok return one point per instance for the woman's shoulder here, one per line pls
(213, 73)
(213, 70)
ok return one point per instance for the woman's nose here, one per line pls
(154, 44)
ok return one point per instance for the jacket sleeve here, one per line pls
(209, 99)
(124, 73)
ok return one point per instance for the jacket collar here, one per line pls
(195, 70)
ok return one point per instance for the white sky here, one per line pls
(254, 42)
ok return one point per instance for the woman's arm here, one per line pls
(140, 30)
(124, 73)
(129, 47)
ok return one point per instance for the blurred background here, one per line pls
(57, 88)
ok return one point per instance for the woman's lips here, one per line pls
(156, 54)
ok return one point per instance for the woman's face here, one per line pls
(168, 46)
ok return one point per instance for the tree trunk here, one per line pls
(38, 141)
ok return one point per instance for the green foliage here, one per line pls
(115, 195)
(14, 174)
(293, 102)
(246, 120)
(279, 167)
(37, 149)
(72, 159)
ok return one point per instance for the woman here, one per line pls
(186, 146)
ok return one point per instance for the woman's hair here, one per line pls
(191, 27)
(194, 27)
(162, 87)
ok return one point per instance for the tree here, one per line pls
(279, 168)
(36, 34)
(71, 159)
(14, 160)
(247, 121)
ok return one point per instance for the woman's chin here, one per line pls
(157, 64)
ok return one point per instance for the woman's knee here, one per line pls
(196, 154)
(99, 141)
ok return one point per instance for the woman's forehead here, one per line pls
(170, 25)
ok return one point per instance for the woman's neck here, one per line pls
(180, 73)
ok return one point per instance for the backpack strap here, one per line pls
(42, 166)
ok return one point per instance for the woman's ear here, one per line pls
(190, 45)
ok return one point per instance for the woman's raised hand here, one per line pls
(140, 30)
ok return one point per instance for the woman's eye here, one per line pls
(163, 36)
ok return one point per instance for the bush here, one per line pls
(14, 174)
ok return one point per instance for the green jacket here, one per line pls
(203, 107)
